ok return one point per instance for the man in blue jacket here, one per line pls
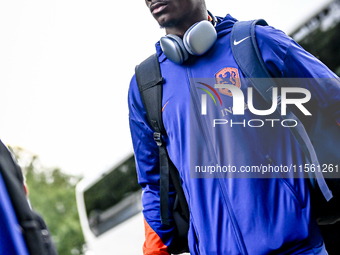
(227, 215)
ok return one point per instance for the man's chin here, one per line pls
(168, 23)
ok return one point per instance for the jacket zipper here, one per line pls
(212, 154)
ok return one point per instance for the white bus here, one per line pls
(110, 211)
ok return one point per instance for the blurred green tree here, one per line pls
(52, 194)
(325, 46)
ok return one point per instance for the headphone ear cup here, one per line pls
(200, 37)
(174, 49)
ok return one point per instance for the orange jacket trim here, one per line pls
(153, 244)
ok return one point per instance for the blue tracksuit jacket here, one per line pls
(230, 215)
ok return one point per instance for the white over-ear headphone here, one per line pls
(197, 40)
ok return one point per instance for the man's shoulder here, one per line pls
(270, 36)
(274, 45)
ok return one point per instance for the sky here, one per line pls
(65, 68)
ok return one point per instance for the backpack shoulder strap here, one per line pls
(150, 85)
(248, 56)
(149, 81)
(249, 59)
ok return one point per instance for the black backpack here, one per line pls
(324, 135)
(35, 232)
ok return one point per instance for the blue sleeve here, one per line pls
(285, 58)
(147, 164)
(11, 238)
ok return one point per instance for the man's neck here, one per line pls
(182, 26)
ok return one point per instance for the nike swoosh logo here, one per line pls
(238, 42)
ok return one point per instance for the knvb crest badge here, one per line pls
(230, 76)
